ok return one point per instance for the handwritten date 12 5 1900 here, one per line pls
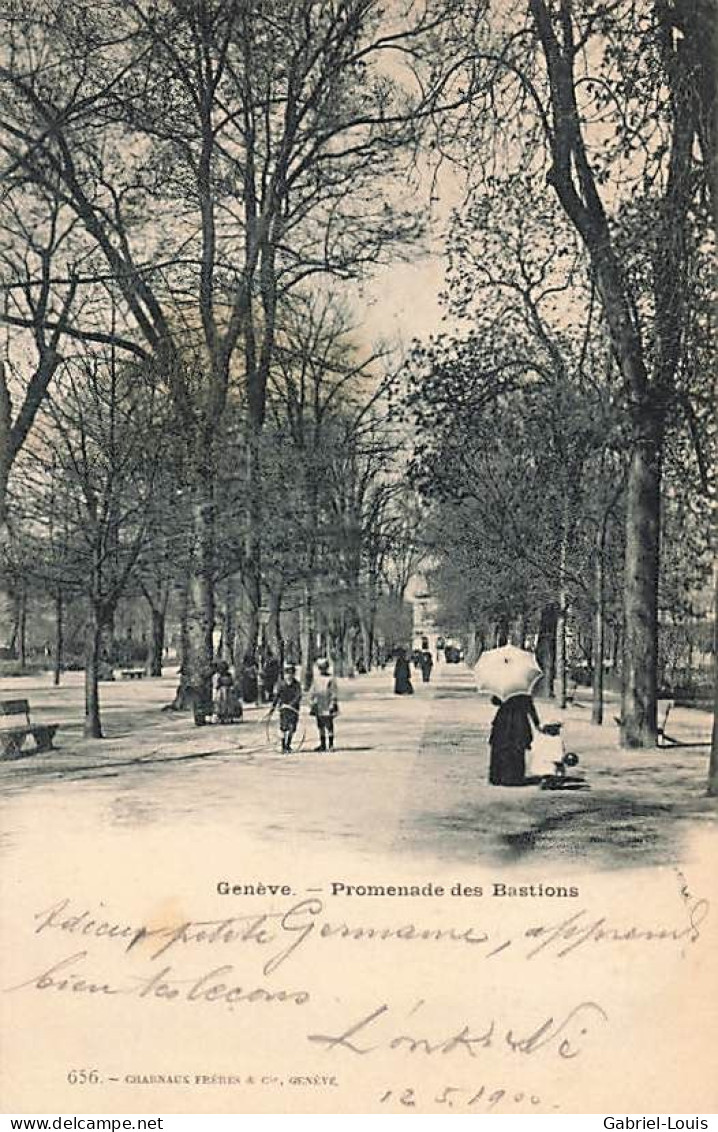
(477, 1098)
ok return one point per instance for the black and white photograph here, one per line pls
(358, 592)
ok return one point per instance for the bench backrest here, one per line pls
(15, 707)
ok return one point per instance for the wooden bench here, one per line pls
(12, 738)
(133, 673)
(663, 710)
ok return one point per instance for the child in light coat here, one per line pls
(324, 704)
(548, 759)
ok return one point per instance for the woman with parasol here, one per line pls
(509, 673)
(510, 739)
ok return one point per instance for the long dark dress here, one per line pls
(250, 685)
(510, 739)
(228, 707)
(402, 677)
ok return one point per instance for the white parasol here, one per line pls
(506, 672)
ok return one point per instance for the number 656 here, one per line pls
(83, 1077)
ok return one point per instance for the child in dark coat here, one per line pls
(288, 699)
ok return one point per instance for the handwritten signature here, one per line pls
(379, 1031)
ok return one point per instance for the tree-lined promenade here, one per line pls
(415, 769)
(191, 418)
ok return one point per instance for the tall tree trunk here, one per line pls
(561, 642)
(93, 726)
(200, 597)
(252, 573)
(308, 632)
(15, 621)
(366, 642)
(546, 651)
(229, 633)
(274, 625)
(520, 630)
(108, 649)
(197, 596)
(157, 642)
(502, 631)
(348, 653)
(6, 610)
(713, 764)
(599, 625)
(640, 622)
(472, 654)
(6, 597)
(183, 695)
(309, 613)
(561, 665)
(184, 621)
(22, 627)
(338, 632)
(59, 637)
(616, 646)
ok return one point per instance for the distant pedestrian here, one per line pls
(288, 699)
(324, 704)
(426, 664)
(250, 681)
(402, 675)
(227, 705)
(270, 675)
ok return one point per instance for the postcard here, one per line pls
(357, 669)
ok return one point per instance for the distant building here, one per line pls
(424, 614)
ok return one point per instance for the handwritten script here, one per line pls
(279, 935)
(204, 962)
